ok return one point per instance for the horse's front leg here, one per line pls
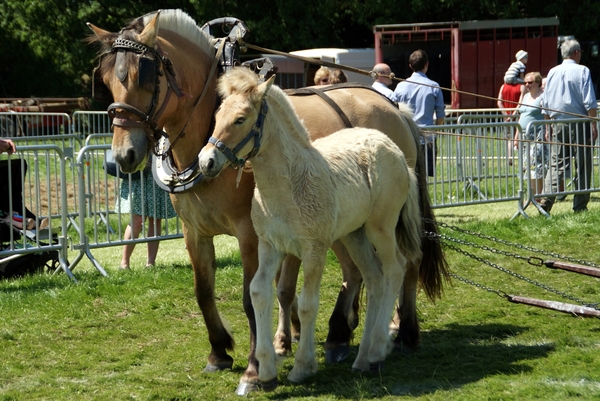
(261, 292)
(202, 255)
(345, 316)
(288, 326)
(248, 242)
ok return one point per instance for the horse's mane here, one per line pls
(179, 22)
(242, 80)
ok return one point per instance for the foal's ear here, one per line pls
(263, 89)
(150, 32)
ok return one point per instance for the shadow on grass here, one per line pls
(449, 358)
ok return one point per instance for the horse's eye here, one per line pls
(240, 120)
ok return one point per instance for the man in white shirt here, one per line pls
(570, 94)
(383, 80)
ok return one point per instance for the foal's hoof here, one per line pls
(338, 354)
(247, 388)
(211, 368)
(270, 385)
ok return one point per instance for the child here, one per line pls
(516, 71)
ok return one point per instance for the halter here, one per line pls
(149, 119)
(255, 133)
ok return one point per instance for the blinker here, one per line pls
(146, 73)
(121, 65)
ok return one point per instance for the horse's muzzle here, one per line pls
(210, 162)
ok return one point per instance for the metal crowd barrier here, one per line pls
(473, 165)
(490, 116)
(43, 184)
(563, 174)
(100, 224)
(476, 162)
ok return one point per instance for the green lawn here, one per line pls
(139, 335)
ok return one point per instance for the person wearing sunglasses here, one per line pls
(535, 152)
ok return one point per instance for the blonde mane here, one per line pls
(242, 80)
(179, 22)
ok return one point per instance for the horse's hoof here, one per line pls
(247, 388)
(270, 385)
(211, 368)
(338, 354)
(376, 367)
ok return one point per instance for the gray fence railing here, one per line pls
(476, 162)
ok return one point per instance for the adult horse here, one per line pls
(161, 73)
(353, 185)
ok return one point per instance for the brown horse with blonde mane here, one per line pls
(161, 73)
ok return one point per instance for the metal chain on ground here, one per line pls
(532, 260)
(514, 244)
(438, 237)
(478, 285)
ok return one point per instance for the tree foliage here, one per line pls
(44, 53)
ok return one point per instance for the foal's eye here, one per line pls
(240, 120)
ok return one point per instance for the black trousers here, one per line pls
(10, 178)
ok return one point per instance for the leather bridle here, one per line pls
(149, 119)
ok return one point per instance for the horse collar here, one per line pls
(255, 133)
(167, 176)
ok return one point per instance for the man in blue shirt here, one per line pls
(569, 94)
(425, 98)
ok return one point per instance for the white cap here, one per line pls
(520, 54)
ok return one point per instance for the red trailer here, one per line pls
(471, 56)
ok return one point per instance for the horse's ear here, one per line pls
(263, 89)
(105, 37)
(150, 32)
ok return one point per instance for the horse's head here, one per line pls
(131, 66)
(238, 121)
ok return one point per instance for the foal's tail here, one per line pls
(408, 229)
(434, 267)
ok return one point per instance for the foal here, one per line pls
(353, 185)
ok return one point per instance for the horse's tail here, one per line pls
(434, 267)
(408, 228)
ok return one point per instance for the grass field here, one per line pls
(139, 335)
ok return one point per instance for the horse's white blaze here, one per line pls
(353, 185)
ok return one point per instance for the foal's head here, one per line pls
(234, 136)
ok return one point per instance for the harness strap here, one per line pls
(329, 101)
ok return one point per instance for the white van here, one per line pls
(294, 73)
